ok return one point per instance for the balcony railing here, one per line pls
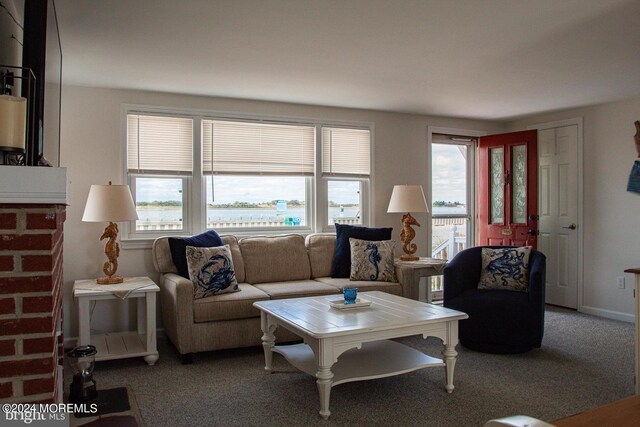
(447, 249)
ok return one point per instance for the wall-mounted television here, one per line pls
(42, 53)
(29, 37)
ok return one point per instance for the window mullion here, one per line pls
(196, 202)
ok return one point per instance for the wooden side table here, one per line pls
(120, 345)
(410, 272)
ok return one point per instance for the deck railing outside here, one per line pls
(447, 249)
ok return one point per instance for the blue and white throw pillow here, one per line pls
(372, 260)
(505, 268)
(211, 271)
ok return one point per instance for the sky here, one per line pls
(449, 174)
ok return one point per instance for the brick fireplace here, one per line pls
(31, 236)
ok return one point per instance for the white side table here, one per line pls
(120, 345)
(410, 272)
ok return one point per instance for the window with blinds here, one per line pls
(233, 147)
(160, 145)
(346, 152)
(253, 174)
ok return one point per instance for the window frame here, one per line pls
(186, 217)
(194, 190)
(471, 180)
(364, 201)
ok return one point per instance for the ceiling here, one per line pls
(484, 59)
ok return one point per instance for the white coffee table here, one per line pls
(342, 346)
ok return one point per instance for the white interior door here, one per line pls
(558, 206)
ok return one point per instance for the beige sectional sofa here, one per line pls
(266, 268)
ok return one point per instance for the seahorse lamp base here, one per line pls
(110, 280)
(406, 236)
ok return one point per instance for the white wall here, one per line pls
(611, 226)
(91, 150)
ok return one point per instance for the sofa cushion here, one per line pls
(341, 265)
(321, 247)
(275, 259)
(236, 255)
(178, 247)
(372, 260)
(363, 285)
(230, 306)
(211, 271)
(295, 289)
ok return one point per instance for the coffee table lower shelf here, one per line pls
(377, 359)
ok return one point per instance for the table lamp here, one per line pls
(110, 203)
(408, 198)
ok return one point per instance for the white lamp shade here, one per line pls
(407, 198)
(109, 203)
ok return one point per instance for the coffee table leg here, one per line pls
(268, 339)
(450, 353)
(324, 376)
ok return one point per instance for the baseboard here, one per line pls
(71, 342)
(609, 314)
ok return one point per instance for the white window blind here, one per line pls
(346, 152)
(157, 144)
(257, 148)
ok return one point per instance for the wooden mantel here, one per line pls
(636, 293)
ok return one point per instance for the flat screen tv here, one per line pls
(42, 53)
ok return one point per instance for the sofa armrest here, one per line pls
(176, 294)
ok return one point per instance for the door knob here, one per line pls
(571, 227)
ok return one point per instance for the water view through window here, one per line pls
(344, 202)
(159, 203)
(256, 201)
(449, 196)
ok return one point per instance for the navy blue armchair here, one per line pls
(499, 321)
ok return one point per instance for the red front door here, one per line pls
(508, 189)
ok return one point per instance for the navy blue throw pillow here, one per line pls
(178, 247)
(341, 265)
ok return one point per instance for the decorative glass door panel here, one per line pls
(497, 185)
(519, 184)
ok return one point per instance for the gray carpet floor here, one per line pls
(585, 362)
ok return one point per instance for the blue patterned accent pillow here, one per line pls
(505, 268)
(211, 271)
(341, 264)
(178, 246)
(372, 260)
